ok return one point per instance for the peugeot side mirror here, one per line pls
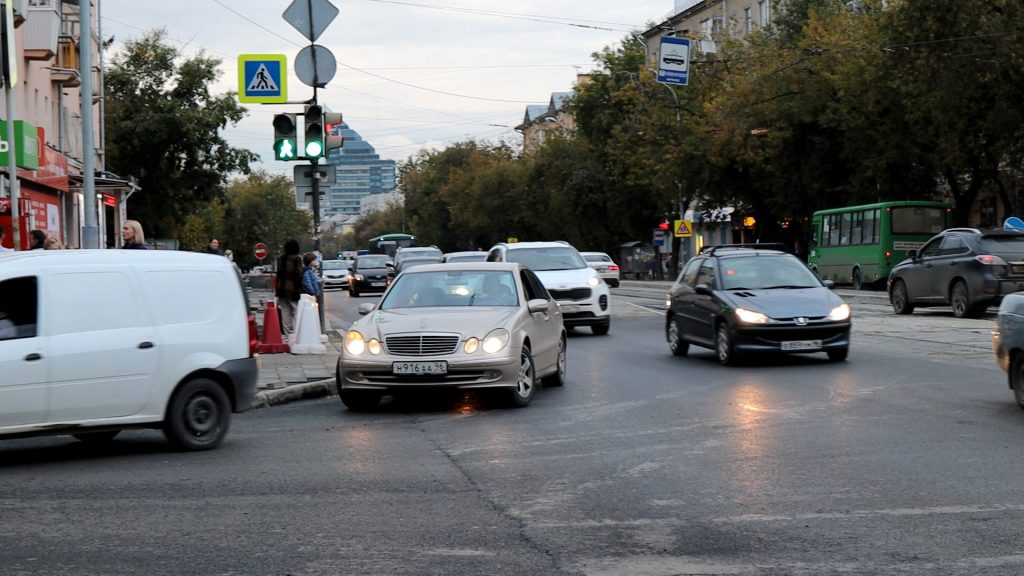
(366, 307)
(828, 284)
(912, 254)
(703, 289)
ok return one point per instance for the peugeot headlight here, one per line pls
(495, 340)
(359, 277)
(839, 313)
(751, 317)
(593, 281)
(354, 343)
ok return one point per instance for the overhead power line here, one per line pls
(574, 22)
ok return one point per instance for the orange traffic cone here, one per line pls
(272, 343)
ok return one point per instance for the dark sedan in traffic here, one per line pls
(739, 299)
(369, 273)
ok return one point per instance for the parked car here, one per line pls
(582, 295)
(96, 341)
(369, 273)
(605, 266)
(456, 326)
(336, 273)
(738, 299)
(1008, 343)
(470, 256)
(965, 268)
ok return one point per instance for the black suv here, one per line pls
(748, 298)
(966, 268)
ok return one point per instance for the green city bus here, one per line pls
(389, 243)
(859, 245)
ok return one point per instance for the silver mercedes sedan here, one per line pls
(467, 326)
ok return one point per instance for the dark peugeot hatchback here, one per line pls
(369, 273)
(966, 268)
(744, 298)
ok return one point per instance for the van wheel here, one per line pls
(601, 329)
(97, 437)
(858, 282)
(198, 416)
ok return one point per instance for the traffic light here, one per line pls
(284, 137)
(332, 134)
(314, 119)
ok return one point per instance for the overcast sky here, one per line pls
(410, 74)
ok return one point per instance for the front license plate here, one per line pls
(802, 345)
(569, 308)
(419, 368)
(376, 283)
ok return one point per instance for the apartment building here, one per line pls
(47, 120)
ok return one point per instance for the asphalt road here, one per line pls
(902, 460)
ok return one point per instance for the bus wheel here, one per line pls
(857, 282)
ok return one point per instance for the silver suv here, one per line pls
(579, 290)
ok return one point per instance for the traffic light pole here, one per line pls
(316, 234)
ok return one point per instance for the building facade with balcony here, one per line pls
(49, 148)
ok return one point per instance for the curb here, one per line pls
(309, 390)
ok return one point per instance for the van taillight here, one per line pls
(888, 254)
(253, 339)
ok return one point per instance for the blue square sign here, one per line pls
(674, 61)
(262, 78)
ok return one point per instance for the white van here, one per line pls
(96, 341)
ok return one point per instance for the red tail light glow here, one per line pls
(253, 339)
(888, 254)
(613, 268)
(990, 260)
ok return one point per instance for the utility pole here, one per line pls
(10, 78)
(90, 233)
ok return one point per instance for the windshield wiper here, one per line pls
(783, 286)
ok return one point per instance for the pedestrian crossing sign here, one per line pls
(683, 228)
(262, 78)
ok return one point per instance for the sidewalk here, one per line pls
(288, 377)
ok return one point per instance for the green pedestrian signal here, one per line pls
(284, 137)
(314, 120)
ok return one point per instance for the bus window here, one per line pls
(857, 231)
(918, 220)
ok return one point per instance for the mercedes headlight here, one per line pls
(354, 343)
(839, 313)
(495, 340)
(471, 345)
(751, 317)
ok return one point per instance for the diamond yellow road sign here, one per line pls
(262, 78)
(682, 228)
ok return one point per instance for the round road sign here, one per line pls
(260, 251)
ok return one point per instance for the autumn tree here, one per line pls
(163, 126)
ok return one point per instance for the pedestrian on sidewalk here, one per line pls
(2, 247)
(36, 240)
(311, 283)
(133, 237)
(289, 285)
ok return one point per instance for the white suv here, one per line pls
(579, 290)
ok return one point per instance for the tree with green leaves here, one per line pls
(261, 208)
(163, 126)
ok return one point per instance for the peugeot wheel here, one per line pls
(676, 344)
(724, 345)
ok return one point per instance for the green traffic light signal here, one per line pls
(314, 117)
(284, 137)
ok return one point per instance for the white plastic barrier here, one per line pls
(307, 338)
